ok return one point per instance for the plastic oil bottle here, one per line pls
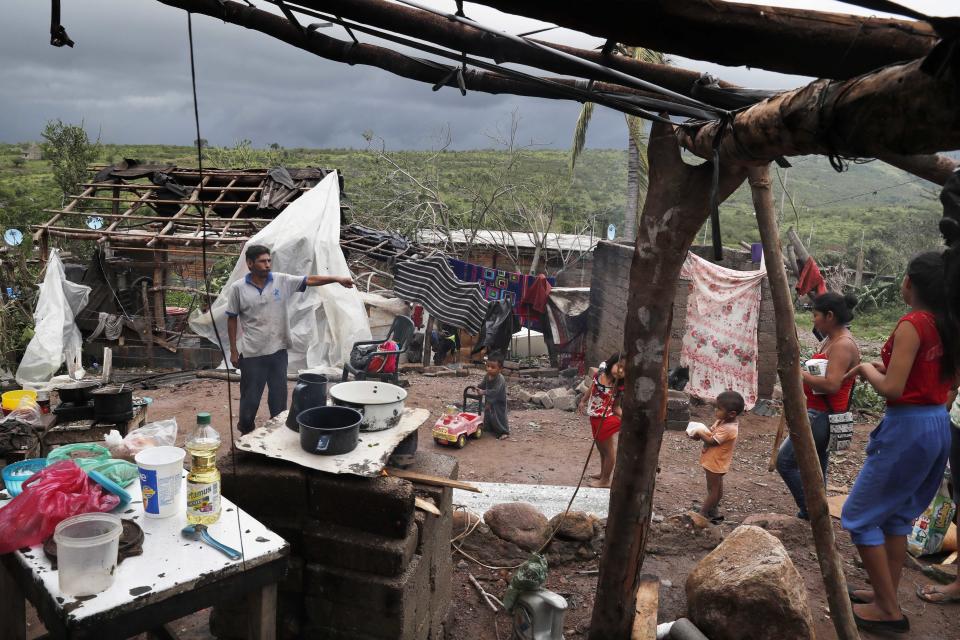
(203, 481)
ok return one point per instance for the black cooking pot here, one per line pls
(113, 404)
(329, 431)
(310, 392)
(77, 393)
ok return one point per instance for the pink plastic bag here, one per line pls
(50, 496)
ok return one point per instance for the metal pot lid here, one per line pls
(112, 391)
(367, 392)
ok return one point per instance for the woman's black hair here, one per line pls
(928, 281)
(612, 360)
(840, 305)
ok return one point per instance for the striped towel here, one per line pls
(431, 283)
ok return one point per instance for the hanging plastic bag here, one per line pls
(162, 433)
(27, 412)
(50, 496)
(932, 525)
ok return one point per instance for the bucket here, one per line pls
(10, 400)
(87, 552)
(160, 469)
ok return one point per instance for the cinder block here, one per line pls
(350, 601)
(382, 506)
(263, 486)
(344, 548)
(292, 582)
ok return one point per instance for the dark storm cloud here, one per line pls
(128, 78)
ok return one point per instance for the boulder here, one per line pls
(522, 395)
(748, 588)
(486, 547)
(519, 523)
(576, 526)
(790, 530)
(463, 520)
(565, 551)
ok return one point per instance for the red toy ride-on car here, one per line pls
(454, 429)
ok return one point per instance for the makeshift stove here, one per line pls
(365, 563)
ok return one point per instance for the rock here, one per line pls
(564, 551)
(576, 526)
(522, 395)
(463, 520)
(519, 523)
(676, 425)
(765, 408)
(748, 588)
(543, 399)
(695, 519)
(566, 403)
(487, 547)
(790, 530)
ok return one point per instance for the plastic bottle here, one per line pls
(203, 481)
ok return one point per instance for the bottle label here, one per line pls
(203, 498)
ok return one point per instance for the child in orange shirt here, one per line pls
(718, 449)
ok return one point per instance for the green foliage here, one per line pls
(243, 155)
(69, 151)
(866, 398)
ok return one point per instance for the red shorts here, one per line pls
(605, 428)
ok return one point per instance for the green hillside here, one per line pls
(891, 212)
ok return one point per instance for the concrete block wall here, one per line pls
(364, 565)
(608, 309)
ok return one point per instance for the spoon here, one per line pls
(199, 532)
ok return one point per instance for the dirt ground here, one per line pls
(549, 447)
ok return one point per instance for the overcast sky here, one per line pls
(128, 79)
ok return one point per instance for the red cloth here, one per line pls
(535, 297)
(605, 428)
(417, 316)
(810, 279)
(838, 401)
(924, 385)
(377, 364)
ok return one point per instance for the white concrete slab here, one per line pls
(549, 499)
(275, 440)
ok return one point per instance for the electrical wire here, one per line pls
(203, 248)
(865, 193)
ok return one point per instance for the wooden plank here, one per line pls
(262, 620)
(648, 600)
(147, 323)
(835, 505)
(40, 232)
(426, 505)
(193, 200)
(424, 478)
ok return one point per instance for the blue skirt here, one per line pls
(906, 458)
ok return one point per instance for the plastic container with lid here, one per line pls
(10, 400)
(87, 553)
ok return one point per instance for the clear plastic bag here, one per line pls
(154, 434)
(50, 496)
(27, 412)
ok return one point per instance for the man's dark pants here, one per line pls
(256, 372)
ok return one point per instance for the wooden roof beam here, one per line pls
(797, 41)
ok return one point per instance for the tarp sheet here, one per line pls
(55, 331)
(323, 322)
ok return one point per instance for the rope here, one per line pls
(203, 248)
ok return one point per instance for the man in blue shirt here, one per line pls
(258, 304)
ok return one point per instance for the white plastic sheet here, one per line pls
(323, 322)
(55, 332)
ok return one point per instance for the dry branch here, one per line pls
(799, 41)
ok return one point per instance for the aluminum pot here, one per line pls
(380, 403)
(329, 431)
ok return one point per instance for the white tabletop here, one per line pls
(275, 440)
(170, 564)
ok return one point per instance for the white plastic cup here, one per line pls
(87, 553)
(161, 469)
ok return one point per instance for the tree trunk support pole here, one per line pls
(794, 407)
(675, 208)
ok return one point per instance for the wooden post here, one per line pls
(147, 324)
(676, 206)
(262, 620)
(795, 409)
(159, 296)
(427, 346)
(858, 277)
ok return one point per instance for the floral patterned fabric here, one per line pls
(720, 340)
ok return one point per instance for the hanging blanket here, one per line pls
(496, 284)
(720, 340)
(431, 283)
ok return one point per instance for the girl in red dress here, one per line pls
(602, 406)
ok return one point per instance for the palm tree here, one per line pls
(636, 145)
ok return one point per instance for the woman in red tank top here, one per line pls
(907, 452)
(832, 312)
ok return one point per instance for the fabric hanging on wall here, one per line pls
(431, 283)
(720, 338)
(497, 284)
